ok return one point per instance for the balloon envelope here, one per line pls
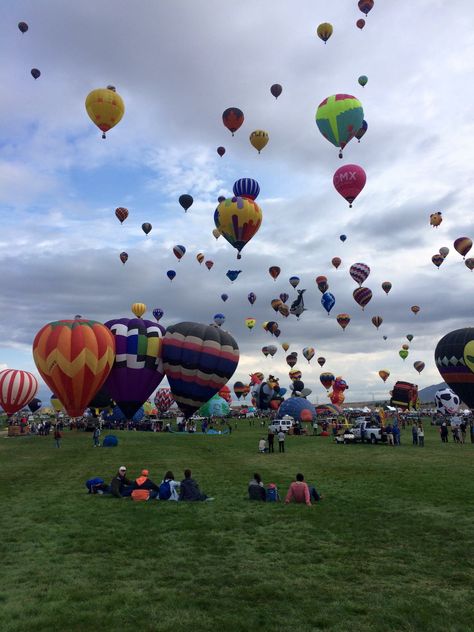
(17, 389)
(105, 108)
(454, 357)
(349, 180)
(232, 119)
(276, 90)
(185, 201)
(339, 117)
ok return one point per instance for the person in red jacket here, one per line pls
(299, 491)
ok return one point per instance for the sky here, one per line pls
(178, 65)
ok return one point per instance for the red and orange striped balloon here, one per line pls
(17, 389)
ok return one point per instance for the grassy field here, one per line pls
(389, 548)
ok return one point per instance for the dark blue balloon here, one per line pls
(251, 298)
(224, 297)
(343, 238)
(328, 301)
(117, 415)
(294, 406)
(158, 313)
(171, 274)
(246, 187)
(233, 274)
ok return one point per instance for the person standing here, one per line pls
(390, 435)
(414, 433)
(271, 439)
(421, 435)
(57, 437)
(95, 437)
(281, 441)
(444, 432)
(462, 428)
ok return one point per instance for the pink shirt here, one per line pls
(299, 492)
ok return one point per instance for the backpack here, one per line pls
(164, 492)
(93, 482)
(272, 494)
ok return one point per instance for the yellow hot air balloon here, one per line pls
(250, 322)
(105, 108)
(258, 139)
(285, 346)
(216, 232)
(139, 309)
(324, 31)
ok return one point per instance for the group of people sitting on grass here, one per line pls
(298, 492)
(143, 488)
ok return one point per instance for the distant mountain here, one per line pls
(427, 394)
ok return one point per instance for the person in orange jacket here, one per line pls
(144, 488)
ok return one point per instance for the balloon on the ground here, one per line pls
(238, 220)
(299, 408)
(163, 399)
(259, 139)
(436, 219)
(362, 296)
(215, 407)
(198, 361)
(186, 201)
(324, 31)
(17, 389)
(338, 118)
(105, 108)
(454, 357)
(447, 402)
(276, 90)
(121, 213)
(138, 309)
(232, 119)
(56, 403)
(118, 415)
(74, 358)
(404, 395)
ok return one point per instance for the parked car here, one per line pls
(281, 424)
(369, 431)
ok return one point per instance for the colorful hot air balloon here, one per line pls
(35, 73)
(246, 188)
(362, 296)
(163, 400)
(23, 26)
(338, 118)
(469, 263)
(232, 119)
(384, 374)
(232, 274)
(200, 257)
(138, 309)
(436, 219)
(138, 368)
(349, 180)
(359, 272)
(328, 301)
(463, 245)
(360, 23)
(239, 389)
(294, 281)
(403, 353)
(437, 259)
(326, 380)
(179, 252)
(250, 323)
(105, 108)
(308, 353)
(17, 389)
(291, 359)
(186, 201)
(365, 5)
(324, 31)
(146, 228)
(74, 358)
(123, 257)
(275, 303)
(343, 320)
(158, 314)
(386, 286)
(415, 309)
(171, 274)
(259, 139)
(276, 90)
(363, 80)
(336, 262)
(251, 298)
(221, 151)
(224, 297)
(454, 357)
(238, 219)
(419, 366)
(377, 321)
(209, 264)
(219, 319)
(444, 251)
(56, 404)
(361, 131)
(121, 214)
(322, 283)
(265, 351)
(198, 361)
(274, 272)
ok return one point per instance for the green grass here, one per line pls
(389, 548)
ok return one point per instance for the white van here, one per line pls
(282, 424)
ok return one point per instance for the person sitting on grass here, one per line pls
(300, 492)
(169, 487)
(262, 446)
(144, 488)
(256, 488)
(190, 489)
(121, 486)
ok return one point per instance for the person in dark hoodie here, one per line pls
(189, 489)
(144, 488)
(121, 486)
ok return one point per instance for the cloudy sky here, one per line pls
(178, 65)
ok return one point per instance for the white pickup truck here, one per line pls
(369, 431)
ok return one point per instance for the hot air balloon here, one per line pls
(105, 108)
(365, 5)
(324, 31)
(138, 368)
(121, 214)
(186, 201)
(265, 351)
(360, 23)
(469, 263)
(338, 118)
(250, 323)
(291, 360)
(342, 238)
(232, 274)
(271, 326)
(138, 309)
(377, 321)
(415, 309)
(251, 298)
(336, 262)
(17, 389)
(409, 337)
(35, 73)
(384, 374)
(219, 319)
(444, 252)
(271, 349)
(224, 297)
(233, 119)
(294, 281)
(308, 353)
(238, 220)
(363, 80)
(23, 26)
(436, 219)
(200, 257)
(463, 245)
(328, 301)
(362, 296)
(198, 361)
(171, 274)
(123, 257)
(239, 389)
(284, 297)
(221, 151)
(146, 228)
(276, 90)
(274, 272)
(385, 337)
(209, 264)
(326, 380)
(158, 313)
(343, 320)
(406, 347)
(359, 272)
(163, 399)
(275, 303)
(246, 188)
(74, 358)
(419, 366)
(437, 259)
(56, 404)
(321, 361)
(454, 357)
(403, 353)
(386, 286)
(259, 139)
(179, 252)
(349, 180)
(285, 346)
(361, 131)
(322, 283)
(225, 394)
(35, 404)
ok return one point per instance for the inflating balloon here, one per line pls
(463, 245)
(238, 220)
(186, 201)
(123, 257)
(362, 296)
(146, 228)
(324, 31)
(121, 214)
(274, 272)
(328, 301)
(259, 139)
(17, 389)
(138, 309)
(105, 108)
(338, 118)
(276, 90)
(336, 262)
(359, 272)
(349, 180)
(343, 320)
(232, 119)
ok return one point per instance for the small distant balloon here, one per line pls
(362, 296)
(259, 139)
(216, 232)
(224, 297)
(219, 319)
(363, 80)
(321, 361)
(419, 366)
(200, 257)
(463, 245)
(349, 180)
(121, 214)
(251, 298)
(361, 131)
(209, 264)
(276, 90)
(250, 323)
(469, 263)
(360, 23)
(186, 201)
(324, 31)
(436, 219)
(328, 301)
(384, 374)
(221, 151)
(232, 274)
(415, 309)
(294, 281)
(179, 251)
(171, 274)
(274, 272)
(284, 297)
(366, 5)
(343, 238)
(336, 262)
(232, 119)
(123, 257)
(343, 320)
(158, 314)
(23, 26)
(138, 309)
(386, 286)
(437, 259)
(146, 228)
(377, 321)
(35, 73)
(444, 252)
